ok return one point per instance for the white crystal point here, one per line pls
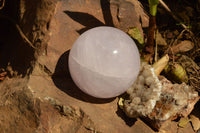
(104, 62)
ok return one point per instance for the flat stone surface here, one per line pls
(104, 113)
(73, 17)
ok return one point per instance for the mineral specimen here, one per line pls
(158, 100)
(104, 62)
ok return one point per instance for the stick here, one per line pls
(160, 65)
(3, 4)
(156, 48)
(19, 30)
(174, 16)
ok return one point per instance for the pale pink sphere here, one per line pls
(104, 62)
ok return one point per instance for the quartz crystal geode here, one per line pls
(158, 100)
(144, 93)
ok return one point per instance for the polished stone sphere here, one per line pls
(104, 62)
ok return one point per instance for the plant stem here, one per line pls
(149, 47)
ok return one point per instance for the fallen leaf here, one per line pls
(160, 40)
(195, 122)
(183, 122)
(183, 46)
(136, 35)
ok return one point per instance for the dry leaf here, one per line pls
(160, 40)
(183, 122)
(135, 33)
(195, 122)
(183, 46)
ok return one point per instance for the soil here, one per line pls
(38, 94)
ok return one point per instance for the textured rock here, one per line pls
(128, 13)
(18, 113)
(21, 112)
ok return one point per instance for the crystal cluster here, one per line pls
(144, 93)
(158, 99)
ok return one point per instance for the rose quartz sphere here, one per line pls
(104, 62)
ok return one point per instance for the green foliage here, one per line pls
(153, 7)
(134, 32)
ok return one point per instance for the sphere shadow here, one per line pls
(64, 82)
(90, 21)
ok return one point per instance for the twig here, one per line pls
(172, 52)
(160, 64)
(179, 36)
(19, 30)
(156, 48)
(3, 4)
(174, 16)
(24, 37)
